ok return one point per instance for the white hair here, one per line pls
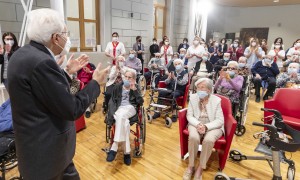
(233, 63)
(178, 60)
(227, 54)
(42, 23)
(209, 83)
(133, 72)
(296, 64)
(121, 57)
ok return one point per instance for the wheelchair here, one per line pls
(139, 133)
(7, 154)
(273, 144)
(240, 108)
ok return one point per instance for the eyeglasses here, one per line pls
(231, 68)
(66, 33)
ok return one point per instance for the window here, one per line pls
(159, 18)
(83, 23)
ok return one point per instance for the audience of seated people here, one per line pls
(179, 76)
(265, 72)
(203, 68)
(290, 78)
(230, 83)
(122, 110)
(221, 63)
(206, 121)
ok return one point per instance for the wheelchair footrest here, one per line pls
(158, 105)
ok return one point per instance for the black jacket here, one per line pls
(44, 111)
(135, 99)
(2, 61)
(264, 71)
(154, 48)
(182, 46)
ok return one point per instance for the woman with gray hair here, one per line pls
(206, 121)
(229, 83)
(289, 78)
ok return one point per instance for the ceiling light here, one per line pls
(276, 1)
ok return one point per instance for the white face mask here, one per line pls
(115, 39)
(10, 42)
(235, 45)
(67, 47)
(277, 46)
(166, 43)
(196, 42)
(121, 64)
(154, 42)
(253, 43)
(297, 45)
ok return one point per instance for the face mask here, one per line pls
(277, 46)
(297, 44)
(231, 74)
(139, 40)
(181, 56)
(195, 42)
(253, 44)
(292, 70)
(216, 45)
(223, 42)
(204, 58)
(178, 67)
(131, 56)
(269, 61)
(166, 43)
(202, 94)
(126, 83)
(184, 42)
(67, 47)
(10, 42)
(154, 42)
(226, 58)
(115, 39)
(242, 65)
(121, 64)
(235, 45)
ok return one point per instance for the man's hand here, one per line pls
(60, 60)
(74, 65)
(257, 76)
(99, 75)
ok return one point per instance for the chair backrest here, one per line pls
(186, 95)
(287, 102)
(229, 121)
(162, 84)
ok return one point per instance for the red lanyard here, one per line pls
(115, 48)
(165, 52)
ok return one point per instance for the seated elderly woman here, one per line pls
(265, 72)
(181, 77)
(122, 109)
(243, 69)
(115, 77)
(155, 65)
(203, 68)
(221, 63)
(206, 121)
(229, 82)
(289, 78)
(133, 62)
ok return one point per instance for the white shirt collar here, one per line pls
(52, 54)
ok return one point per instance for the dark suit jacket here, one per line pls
(44, 111)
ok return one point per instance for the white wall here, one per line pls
(11, 14)
(282, 21)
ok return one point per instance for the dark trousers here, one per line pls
(148, 77)
(167, 94)
(70, 173)
(270, 89)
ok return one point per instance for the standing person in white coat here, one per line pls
(166, 51)
(194, 53)
(115, 48)
(279, 55)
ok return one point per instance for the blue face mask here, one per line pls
(231, 74)
(178, 67)
(202, 94)
(204, 58)
(181, 56)
(131, 56)
(242, 65)
(226, 58)
(126, 83)
(269, 61)
(292, 70)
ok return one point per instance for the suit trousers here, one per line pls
(70, 173)
(209, 139)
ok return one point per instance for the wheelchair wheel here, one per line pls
(240, 130)
(235, 155)
(291, 173)
(142, 84)
(149, 117)
(143, 126)
(108, 133)
(221, 176)
(168, 122)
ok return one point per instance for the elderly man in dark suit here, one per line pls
(43, 108)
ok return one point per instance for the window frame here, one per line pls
(81, 20)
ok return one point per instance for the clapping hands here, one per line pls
(74, 65)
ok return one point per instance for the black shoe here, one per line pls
(174, 118)
(156, 115)
(111, 155)
(87, 114)
(127, 159)
(265, 97)
(257, 99)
